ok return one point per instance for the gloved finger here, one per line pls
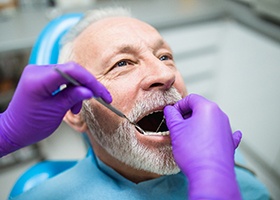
(182, 106)
(237, 135)
(191, 103)
(73, 95)
(54, 80)
(43, 77)
(85, 78)
(172, 115)
(77, 107)
(173, 120)
(187, 104)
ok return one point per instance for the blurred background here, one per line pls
(227, 50)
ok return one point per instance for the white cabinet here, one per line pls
(248, 89)
(249, 93)
(196, 50)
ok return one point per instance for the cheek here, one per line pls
(124, 94)
(180, 85)
(106, 119)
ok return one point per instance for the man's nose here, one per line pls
(157, 75)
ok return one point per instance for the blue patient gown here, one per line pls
(92, 179)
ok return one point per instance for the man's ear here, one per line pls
(75, 121)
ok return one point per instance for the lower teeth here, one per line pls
(157, 133)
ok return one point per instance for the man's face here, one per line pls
(136, 65)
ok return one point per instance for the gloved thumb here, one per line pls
(237, 135)
(76, 108)
(172, 116)
(77, 96)
(73, 97)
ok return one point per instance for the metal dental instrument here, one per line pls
(109, 106)
(160, 123)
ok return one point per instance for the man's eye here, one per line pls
(121, 63)
(165, 57)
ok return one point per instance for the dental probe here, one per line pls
(160, 123)
(101, 101)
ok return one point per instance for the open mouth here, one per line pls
(154, 124)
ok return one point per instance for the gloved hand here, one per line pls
(203, 147)
(34, 113)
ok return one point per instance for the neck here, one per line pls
(126, 171)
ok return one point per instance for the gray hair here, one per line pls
(66, 49)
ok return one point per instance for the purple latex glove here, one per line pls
(34, 113)
(203, 147)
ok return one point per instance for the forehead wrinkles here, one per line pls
(123, 31)
(135, 45)
(112, 36)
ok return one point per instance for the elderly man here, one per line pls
(135, 64)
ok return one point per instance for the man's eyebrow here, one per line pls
(128, 49)
(122, 49)
(133, 48)
(161, 44)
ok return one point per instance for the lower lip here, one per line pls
(156, 138)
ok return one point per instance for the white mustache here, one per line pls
(152, 100)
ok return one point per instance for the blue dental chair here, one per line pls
(46, 51)
(46, 48)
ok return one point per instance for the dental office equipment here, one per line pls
(110, 107)
(163, 119)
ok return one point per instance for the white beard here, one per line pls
(124, 146)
